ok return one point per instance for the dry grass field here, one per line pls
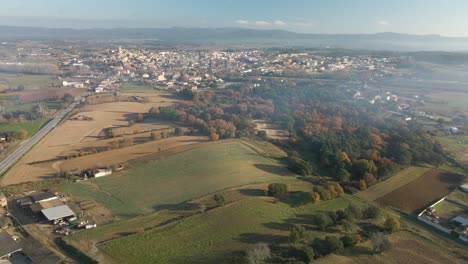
(415, 196)
(73, 135)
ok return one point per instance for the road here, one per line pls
(29, 143)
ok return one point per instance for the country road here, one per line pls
(29, 143)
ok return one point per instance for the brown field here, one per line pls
(47, 93)
(407, 249)
(421, 192)
(125, 154)
(76, 135)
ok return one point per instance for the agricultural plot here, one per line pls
(456, 145)
(31, 126)
(210, 237)
(418, 194)
(152, 185)
(69, 136)
(134, 87)
(401, 179)
(29, 81)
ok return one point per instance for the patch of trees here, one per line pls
(353, 224)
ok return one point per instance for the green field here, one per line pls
(456, 145)
(208, 237)
(28, 80)
(459, 196)
(148, 186)
(447, 210)
(31, 126)
(135, 87)
(399, 180)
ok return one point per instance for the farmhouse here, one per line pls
(58, 213)
(8, 246)
(102, 172)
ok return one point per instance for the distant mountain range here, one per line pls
(239, 36)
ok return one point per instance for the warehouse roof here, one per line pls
(58, 212)
(8, 245)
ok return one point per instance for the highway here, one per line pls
(29, 143)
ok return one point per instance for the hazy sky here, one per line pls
(445, 17)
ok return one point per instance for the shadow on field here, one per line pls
(274, 169)
(177, 207)
(252, 192)
(255, 238)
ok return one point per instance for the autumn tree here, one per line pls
(214, 136)
(392, 224)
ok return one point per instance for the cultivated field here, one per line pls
(75, 135)
(418, 194)
(401, 179)
(153, 184)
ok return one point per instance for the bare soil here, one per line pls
(420, 193)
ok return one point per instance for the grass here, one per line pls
(399, 180)
(148, 186)
(134, 87)
(31, 126)
(448, 210)
(208, 237)
(28, 80)
(459, 196)
(456, 145)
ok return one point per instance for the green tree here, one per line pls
(296, 234)
(322, 221)
(371, 212)
(277, 190)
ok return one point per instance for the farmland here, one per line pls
(134, 87)
(209, 237)
(414, 196)
(151, 185)
(72, 136)
(403, 178)
(456, 145)
(30, 126)
(29, 81)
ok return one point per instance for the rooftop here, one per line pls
(58, 212)
(42, 196)
(8, 245)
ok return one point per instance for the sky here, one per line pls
(443, 17)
